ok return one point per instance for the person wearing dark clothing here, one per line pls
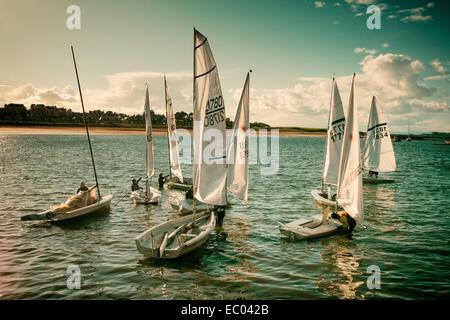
(162, 180)
(82, 187)
(371, 173)
(135, 185)
(190, 193)
(348, 223)
(220, 215)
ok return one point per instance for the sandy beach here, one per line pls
(7, 129)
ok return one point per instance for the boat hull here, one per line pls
(376, 181)
(185, 185)
(310, 228)
(320, 198)
(186, 206)
(150, 242)
(51, 216)
(139, 197)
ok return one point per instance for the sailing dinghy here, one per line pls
(151, 195)
(378, 150)
(238, 151)
(176, 180)
(177, 237)
(333, 147)
(84, 202)
(238, 157)
(349, 188)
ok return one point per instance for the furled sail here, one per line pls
(336, 126)
(238, 155)
(210, 167)
(378, 151)
(148, 144)
(349, 194)
(174, 158)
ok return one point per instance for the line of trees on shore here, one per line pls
(13, 113)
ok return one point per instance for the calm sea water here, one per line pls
(407, 237)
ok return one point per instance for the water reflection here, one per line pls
(343, 279)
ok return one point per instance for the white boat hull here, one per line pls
(186, 206)
(379, 180)
(140, 197)
(153, 243)
(310, 228)
(319, 197)
(185, 185)
(52, 216)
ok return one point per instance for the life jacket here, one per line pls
(347, 221)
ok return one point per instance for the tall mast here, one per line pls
(168, 131)
(326, 137)
(85, 123)
(194, 176)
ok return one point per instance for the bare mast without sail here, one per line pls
(85, 123)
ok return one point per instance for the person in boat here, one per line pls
(162, 180)
(135, 184)
(348, 223)
(82, 187)
(220, 215)
(190, 193)
(372, 173)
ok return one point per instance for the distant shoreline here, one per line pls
(59, 129)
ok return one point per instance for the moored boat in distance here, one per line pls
(378, 153)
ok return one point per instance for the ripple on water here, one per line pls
(407, 235)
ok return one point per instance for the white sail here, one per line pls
(349, 192)
(238, 155)
(378, 151)
(148, 144)
(336, 126)
(174, 157)
(210, 169)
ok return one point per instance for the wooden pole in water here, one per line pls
(85, 123)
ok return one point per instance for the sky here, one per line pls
(294, 48)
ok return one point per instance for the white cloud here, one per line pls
(438, 67)
(385, 45)
(335, 22)
(438, 77)
(125, 93)
(430, 4)
(394, 78)
(319, 4)
(364, 50)
(337, 4)
(414, 15)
